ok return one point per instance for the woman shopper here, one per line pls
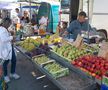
(6, 49)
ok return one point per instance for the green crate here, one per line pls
(35, 59)
(105, 80)
(59, 73)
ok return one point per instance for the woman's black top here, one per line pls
(25, 20)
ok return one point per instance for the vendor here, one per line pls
(18, 13)
(78, 26)
(25, 17)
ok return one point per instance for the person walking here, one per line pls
(7, 52)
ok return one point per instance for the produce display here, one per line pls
(91, 49)
(41, 59)
(56, 70)
(34, 47)
(42, 32)
(41, 49)
(38, 48)
(29, 44)
(52, 39)
(93, 65)
(69, 52)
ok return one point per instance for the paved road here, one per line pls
(28, 82)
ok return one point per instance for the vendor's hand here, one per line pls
(65, 34)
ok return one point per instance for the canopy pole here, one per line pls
(88, 8)
(81, 5)
(30, 8)
(90, 13)
(91, 2)
(20, 8)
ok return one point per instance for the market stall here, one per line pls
(69, 65)
(58, 54)
(50, 68)
(82, 60)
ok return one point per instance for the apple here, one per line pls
(96, 66)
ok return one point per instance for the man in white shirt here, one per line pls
(43, 22)
(16, 18)
(18, 13)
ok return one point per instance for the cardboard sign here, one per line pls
(78, 42)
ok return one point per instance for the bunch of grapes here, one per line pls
(42, 49)
(45, 48)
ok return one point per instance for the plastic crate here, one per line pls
(60, 73)
(44, 62)
(104, 87)
(105, 80)
(35, 59)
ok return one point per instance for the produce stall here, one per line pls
(82, 63)
(60, 74)
(60, 77)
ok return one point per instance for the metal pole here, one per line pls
(90, 13)
(91, 2)
(81, 5)
(30, 8)
(20, 8)
(88, 17)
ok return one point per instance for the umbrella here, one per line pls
(8, 0)
(8, 5)
(3, 5)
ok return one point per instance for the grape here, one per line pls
(53, 67)
(41, 59)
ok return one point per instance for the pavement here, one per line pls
(28, 75)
